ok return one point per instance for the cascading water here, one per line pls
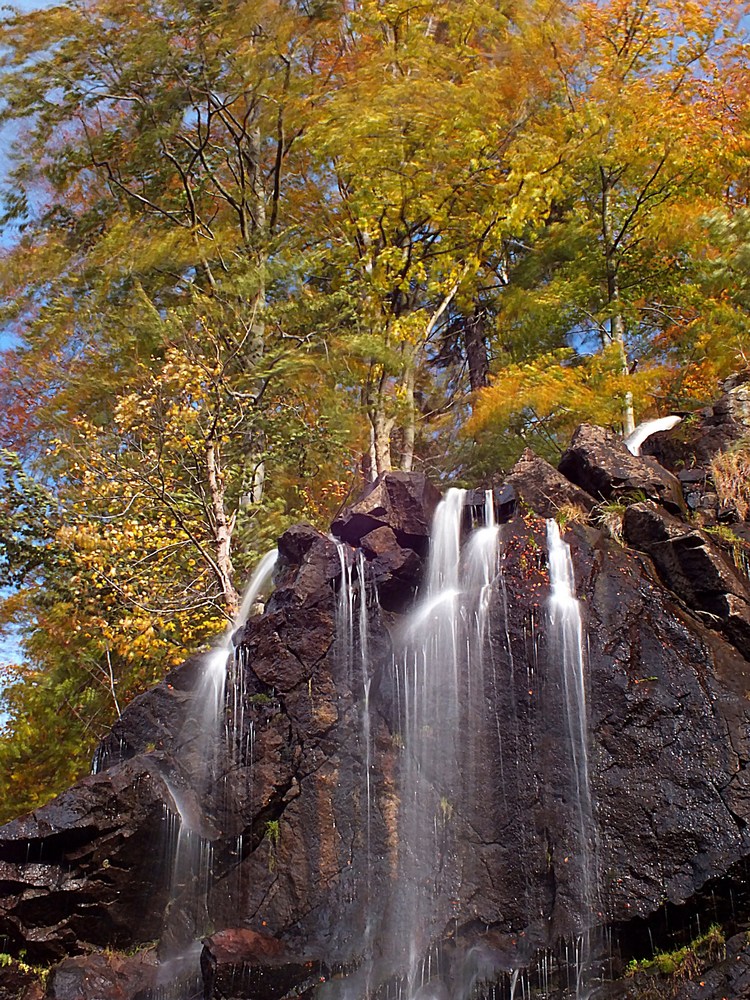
(643, 431)
(453, 665)
(191, 849)
(566, 642)
(353, 632)
(441, 677)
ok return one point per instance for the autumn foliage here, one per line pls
(257, 252)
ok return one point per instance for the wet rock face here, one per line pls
(304, 868)
(598, 462)
(695, 569)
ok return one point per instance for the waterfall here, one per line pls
(353, 637)
(566, 641)
(190, 846)
(636, 438)
(211, 686)
(440, 673)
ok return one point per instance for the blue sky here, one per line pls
(9, 646)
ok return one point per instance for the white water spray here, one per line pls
(636, 438)
(190, 846)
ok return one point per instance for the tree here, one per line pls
(610, 269)
(414, 182)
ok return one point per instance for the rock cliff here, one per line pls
(290, 886)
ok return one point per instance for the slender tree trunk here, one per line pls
(257, 341)
(381, 426)
(223, 528)
(410, 425)
(617, 320)
(476, 350)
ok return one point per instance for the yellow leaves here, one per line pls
(560, 386)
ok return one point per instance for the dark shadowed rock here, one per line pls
(307, 570)
(395, 569)
(696, 569)
(76, 870)
(403, 501)
(598, 461)
(284, 648)
(154, 719)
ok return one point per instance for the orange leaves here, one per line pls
(562, 389)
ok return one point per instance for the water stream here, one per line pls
(190, 846)
(567, 644)
(452, 666)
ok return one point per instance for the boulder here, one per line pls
(598, 461)
(695, 568)
(542, 488)
(402, 501)
(394, 569)
(105, 976)
(307, 571)
(239, 962)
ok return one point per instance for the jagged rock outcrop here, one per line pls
(598, 461)
(543, 489)
(694, 568)
(403, 502)
(303, 866)
(78, 871)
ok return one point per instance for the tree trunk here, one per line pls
(223, 528)
(476, 350)
(617, 320)
(410, 425)
(382, 427)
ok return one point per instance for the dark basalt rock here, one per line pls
(76, 872)
(696, 569)
(238, 963)
(302, 860)
(153, 719)
(394, 569)
(598, 462)
(543, 488)
(307, 570)
(401, 501)
(532, 484)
